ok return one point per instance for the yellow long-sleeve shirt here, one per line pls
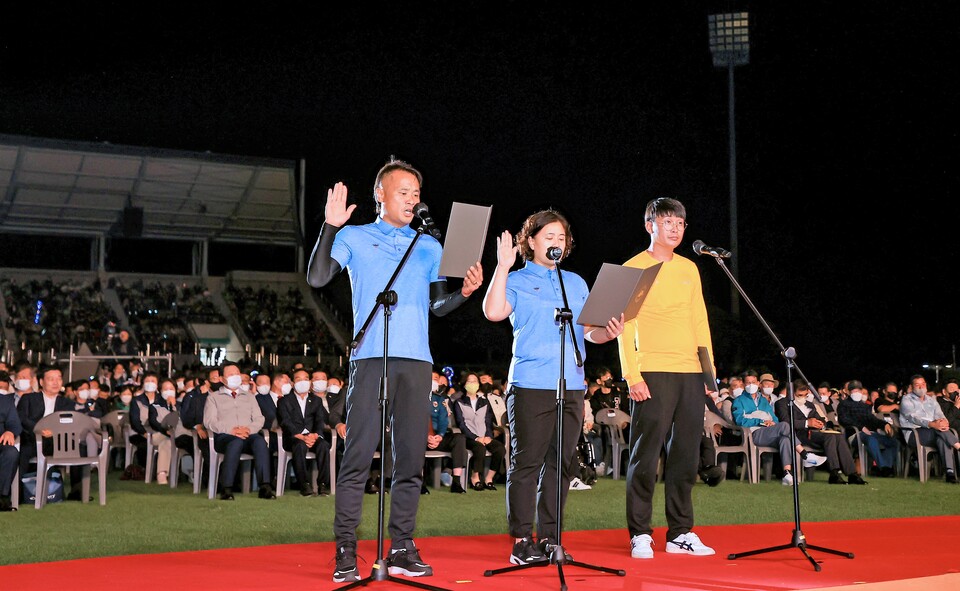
(671, 324)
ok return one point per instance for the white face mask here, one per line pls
(179, 384)
(752, 388)
(434, 385)
(825, 399)
(150, 387)
(245, 388)
(319, 385)
(23, 385)
(234, 382)
(263, 389)
(333, 389)
(736, 392)
(809, 397)
(94, 394)
(169, 394)
(920, 391)
(856, 396)
(285, 389)
(302, 386)
(83, 394)
(3, 392)
(768, 391)
(126, 398)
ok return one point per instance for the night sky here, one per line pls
(846, 139)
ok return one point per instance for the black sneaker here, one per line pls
(346, 565)
(712, 475)
(951, 477)
(407, 561)
(548, 546)
(526, 552)
(855, 479)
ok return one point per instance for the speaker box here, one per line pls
(132, 222)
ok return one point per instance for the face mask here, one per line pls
(302, 386)
(333, 390)
(751, 388)
(471, 388)
(263, 388)
(920, 391)
(736, 392)
(3, 392)
(150, 387)
(768, 391)
(83, 394)
(245, 388)
(319, 385)
(234, 382)
(285, 389)
(809, 397)
(94, 394)
(126, 398)
(434, 386)
(169, 394)
(23, 385)
(856, 396)
(485, 388)
(824, 399)
(179, 384)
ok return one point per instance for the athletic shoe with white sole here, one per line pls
(812, 460)
(526, 552)
(346, 565)
(688, 543)
(406, 561)
(641, 546)
(577, 484)
(787, 479)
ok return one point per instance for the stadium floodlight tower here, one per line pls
(730, 47)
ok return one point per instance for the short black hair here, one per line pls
(45, 369)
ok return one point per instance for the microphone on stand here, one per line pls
(554, 253)
(718, 253)
(426, 221)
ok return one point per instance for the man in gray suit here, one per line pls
(234, 420)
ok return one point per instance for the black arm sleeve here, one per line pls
(441, 302)
(322, 268)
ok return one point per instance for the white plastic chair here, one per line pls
(611, 419)
(216, 458)
(71, 429)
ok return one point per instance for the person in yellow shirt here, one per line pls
(659, 361)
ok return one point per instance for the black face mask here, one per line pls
(486, 388)
(608, 383)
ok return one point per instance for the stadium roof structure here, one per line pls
(89, 189)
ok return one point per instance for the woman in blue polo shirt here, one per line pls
(529, 297)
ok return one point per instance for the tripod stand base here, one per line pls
(380, 573)
(799, 542)
(558, 558)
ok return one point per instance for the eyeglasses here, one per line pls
(673, 225)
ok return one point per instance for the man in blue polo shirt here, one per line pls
(371, 253)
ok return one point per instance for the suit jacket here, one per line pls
(268, 408)
(223, 412)
(9, 419)
(191, 408)
(293, 422)
(337, 403)
(799, 420)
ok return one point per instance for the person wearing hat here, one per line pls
(768, 386)
(855, 413)
(810, 427)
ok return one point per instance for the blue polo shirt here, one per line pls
(370, 254)
(534, 293)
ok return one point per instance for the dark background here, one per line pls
(846, 126)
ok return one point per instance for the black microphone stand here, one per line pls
(386, 298)
(559, 556)
(798, 540)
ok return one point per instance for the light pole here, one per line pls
(730, 47)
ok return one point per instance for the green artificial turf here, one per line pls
(147, 518)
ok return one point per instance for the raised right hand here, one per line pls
(506, 250)
(336, 212)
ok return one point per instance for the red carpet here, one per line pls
(886, 551)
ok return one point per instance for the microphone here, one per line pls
(554, 253)
(718, 253)
(423, 212)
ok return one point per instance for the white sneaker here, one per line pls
(787, 479)
(688, 543)
(641, 546)
(813, 460)
(577, 484)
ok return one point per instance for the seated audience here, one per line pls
(854, 413)
(921, 411)
(440, 437)
(475, 420)
(10, 430)
(303, 418)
